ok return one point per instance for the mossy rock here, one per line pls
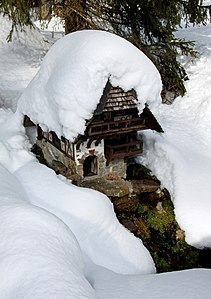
(167, 243)
(157, 227)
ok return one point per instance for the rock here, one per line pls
(112, 188)
(59, 167)
(180, 234)
(112, 176)
(125, 203)
(156, 196)
(129, 225)
(159, 208)
(140, 186)
(75, 178)
(141, 228)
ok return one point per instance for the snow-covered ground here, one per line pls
(59, 241)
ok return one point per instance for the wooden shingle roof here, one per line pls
(118, 99)
(115, 98)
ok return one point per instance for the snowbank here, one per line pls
(70, 82)
(181, 157)
(188, 284)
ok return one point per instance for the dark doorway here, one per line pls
(90, 166)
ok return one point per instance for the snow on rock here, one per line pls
(90, 215)
(73, 74)
(40, 257)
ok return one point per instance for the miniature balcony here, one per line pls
(99, 127)
(127, 150)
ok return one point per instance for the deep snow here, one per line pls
(35, 245)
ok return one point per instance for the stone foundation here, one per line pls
(72, 169)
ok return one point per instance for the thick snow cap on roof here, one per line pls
(73, 74)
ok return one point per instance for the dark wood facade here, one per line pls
(117, 121)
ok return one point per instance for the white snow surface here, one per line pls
(66, 90)
(52, 233)
(18, 58)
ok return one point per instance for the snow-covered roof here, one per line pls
(73, 75)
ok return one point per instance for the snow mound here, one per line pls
(40, 256)
(90, 216)
(72, 77)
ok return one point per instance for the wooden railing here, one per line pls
(108, 128)
(123, 150)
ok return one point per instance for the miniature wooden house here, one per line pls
(109, 140)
